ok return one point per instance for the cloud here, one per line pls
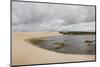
(49, 17)
(88, 27)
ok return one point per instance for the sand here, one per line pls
(24, 53)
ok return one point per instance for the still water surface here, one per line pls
(72, 44)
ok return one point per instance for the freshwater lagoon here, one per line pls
(72, 44)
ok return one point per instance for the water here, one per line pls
(72, 44)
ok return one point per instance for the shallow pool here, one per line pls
(72, 44)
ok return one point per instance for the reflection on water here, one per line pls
(74, 44)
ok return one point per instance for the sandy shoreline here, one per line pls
(23, 53)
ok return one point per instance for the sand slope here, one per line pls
(24, 53)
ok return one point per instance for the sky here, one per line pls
(32, 17)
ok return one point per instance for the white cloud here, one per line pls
(88, 27)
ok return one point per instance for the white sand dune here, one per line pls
(24, 53)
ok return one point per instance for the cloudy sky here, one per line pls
(31, 17)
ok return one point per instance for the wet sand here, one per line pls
(24, 53)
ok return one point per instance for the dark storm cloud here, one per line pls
(42, 17)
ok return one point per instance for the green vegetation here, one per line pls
(78, 33)
(88, 41)
(59, 45)
(36, 41)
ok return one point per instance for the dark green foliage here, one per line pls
(36, 41)
(77, 33)
(59, 45)
(88, 41)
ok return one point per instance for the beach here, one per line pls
(24, 53)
